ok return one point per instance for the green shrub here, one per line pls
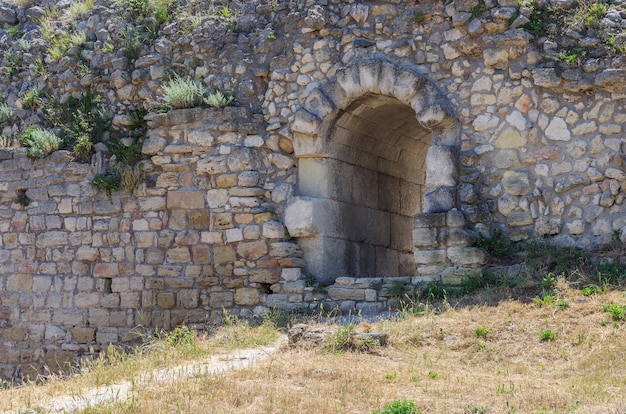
(540, 17)
(547, 335)
(6, 112)
(181, 335)
(108, 182)
(181, 93)
(482, 331)
(497, 245)
(40, 142)
(32, 98)
(218, 100)
(617, 312)
(399, 407)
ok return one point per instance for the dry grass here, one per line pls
(437, 359)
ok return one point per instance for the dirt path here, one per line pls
(215, 364)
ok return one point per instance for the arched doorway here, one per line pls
(374, 148)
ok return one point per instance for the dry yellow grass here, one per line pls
(436, 359)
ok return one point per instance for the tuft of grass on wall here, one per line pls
(40, 142)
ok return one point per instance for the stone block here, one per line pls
(425, 237)
(188, 298)
(440, 200)
(429, 220)
(220, 300)
(108, 270)
(429, 257)
(463, 256)
(252, 250)
(84, 335)
(291, 274)
(166, 300)
(344, 293)
(441, 166)
(19, 283)
(185, 199)
(246, 297)
(516, 182)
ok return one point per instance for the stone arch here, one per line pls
(376, 145)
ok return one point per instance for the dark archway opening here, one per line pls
(372, 179)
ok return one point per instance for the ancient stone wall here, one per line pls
(364, 142)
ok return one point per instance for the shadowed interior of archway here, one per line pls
(375, 172)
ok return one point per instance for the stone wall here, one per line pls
(234, 212)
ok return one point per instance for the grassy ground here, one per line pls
(495, 351)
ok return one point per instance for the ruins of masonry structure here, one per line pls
(367, 146)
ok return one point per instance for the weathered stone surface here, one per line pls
(557, 130)
(569, 182)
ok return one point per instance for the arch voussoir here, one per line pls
(350, 81)
(387, 78)
(369, 72)
(407, 85)
(319, 104)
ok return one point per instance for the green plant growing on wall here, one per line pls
(181, 93)
(39, 142)
(218, 99)
(32, 98)
(572, 56)
(419, 17)
(108, 182)
(6, 112)
(478, 10)
(540, 16)
(13, 63)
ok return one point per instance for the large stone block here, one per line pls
(246, 297)
(185, 199)
(463, 256)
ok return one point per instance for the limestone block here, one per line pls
(441, 166)
(569, 182)
(425, 237)
(153, 144)
(519, 219)
(547, 226)
(510, 138)
(344, 293)
(84, 335)
(188, 298)
(108, 270)
(516, 182)
(548, 153)
(546, 77)
(52, 239)
(615, 173)
(179, 255)
(166, 300)
(349, 80)
(185, 199)
(457, 237)
(557, 130)
(187, 238)
(300, 217)
(305, 123)
(429, 220)
(252, 250)
(233, 235)
(440, 199)
(215, 164)
(318, 104)
(87, 253)
(246, 297)
(224, 254)
(429, 257)
(496, 58)
(463, 256)
(273, 230)
(19, 283)
(609, 77)
(221, 300)
(369, 73)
